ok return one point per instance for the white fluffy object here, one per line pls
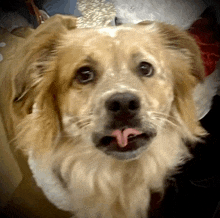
(204, 93)
(179, 12)
(96, 13)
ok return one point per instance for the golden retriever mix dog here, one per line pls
(103, 114)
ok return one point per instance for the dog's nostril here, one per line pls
(114, 106)
(134, 105)
(123, 105)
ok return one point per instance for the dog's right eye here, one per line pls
(85, 75)
(145, 69)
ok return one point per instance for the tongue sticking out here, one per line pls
(122, 136)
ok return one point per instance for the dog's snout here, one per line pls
(123, 105)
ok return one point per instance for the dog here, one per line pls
(104, 115)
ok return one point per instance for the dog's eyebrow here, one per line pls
(89, 59)
(137, 56)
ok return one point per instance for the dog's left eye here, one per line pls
(145, 69)
(85, 75)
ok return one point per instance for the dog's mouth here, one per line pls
(123, 144)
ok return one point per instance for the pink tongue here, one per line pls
(122, 137)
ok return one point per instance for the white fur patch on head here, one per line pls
(112, 31)
(109, 31)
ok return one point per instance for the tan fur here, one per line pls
(56, 132)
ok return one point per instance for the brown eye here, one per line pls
(145, 69)
(85, 75)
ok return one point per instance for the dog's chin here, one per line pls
(134, 148)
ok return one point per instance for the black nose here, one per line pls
(123, 105)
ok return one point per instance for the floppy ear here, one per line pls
(35, 54)
(182, 44)
(183, 57)
(187, 70)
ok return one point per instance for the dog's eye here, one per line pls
(85, 75)
(145, 69)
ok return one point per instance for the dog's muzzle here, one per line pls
(124, 136)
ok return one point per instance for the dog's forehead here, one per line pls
(105, 36)
(114, 31)
(126, 29)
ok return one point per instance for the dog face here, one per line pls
(117, 88)
(103, 104)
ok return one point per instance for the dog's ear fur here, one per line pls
(39, 48)
(187, 70)
(180, 41)
(184, 59)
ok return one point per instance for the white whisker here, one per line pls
(162, 114)
(79, 121)
(168, 121)
(165, 117)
